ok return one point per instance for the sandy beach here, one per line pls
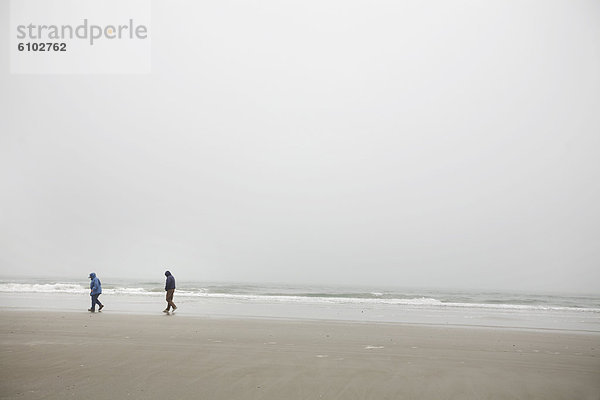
(53, 355)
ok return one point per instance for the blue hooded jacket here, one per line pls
(170, 283)
(95, 285)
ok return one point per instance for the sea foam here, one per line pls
(258, 294)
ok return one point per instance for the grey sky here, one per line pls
(410, 143)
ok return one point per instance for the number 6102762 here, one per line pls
(42, 46)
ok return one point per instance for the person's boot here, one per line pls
(91, 310)
(101, 307)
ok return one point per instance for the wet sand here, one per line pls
(54, 355)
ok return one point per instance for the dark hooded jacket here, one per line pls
(95, 285)
(170, 283)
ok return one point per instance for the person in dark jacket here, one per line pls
(95, 291)
(170, 289)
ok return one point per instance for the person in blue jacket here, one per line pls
(170, 289)
(95, 291)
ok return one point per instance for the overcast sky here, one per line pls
(408, 143)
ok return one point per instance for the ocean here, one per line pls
(361, 304)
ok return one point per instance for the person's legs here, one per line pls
(169, 299)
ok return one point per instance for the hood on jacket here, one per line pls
(92, 275)
(167, 273)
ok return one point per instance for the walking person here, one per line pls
(170, 289)
(95, 291)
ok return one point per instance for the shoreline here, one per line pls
(232, 317)
(380, 313)
(67, 354)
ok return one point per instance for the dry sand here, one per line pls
(103, 356)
